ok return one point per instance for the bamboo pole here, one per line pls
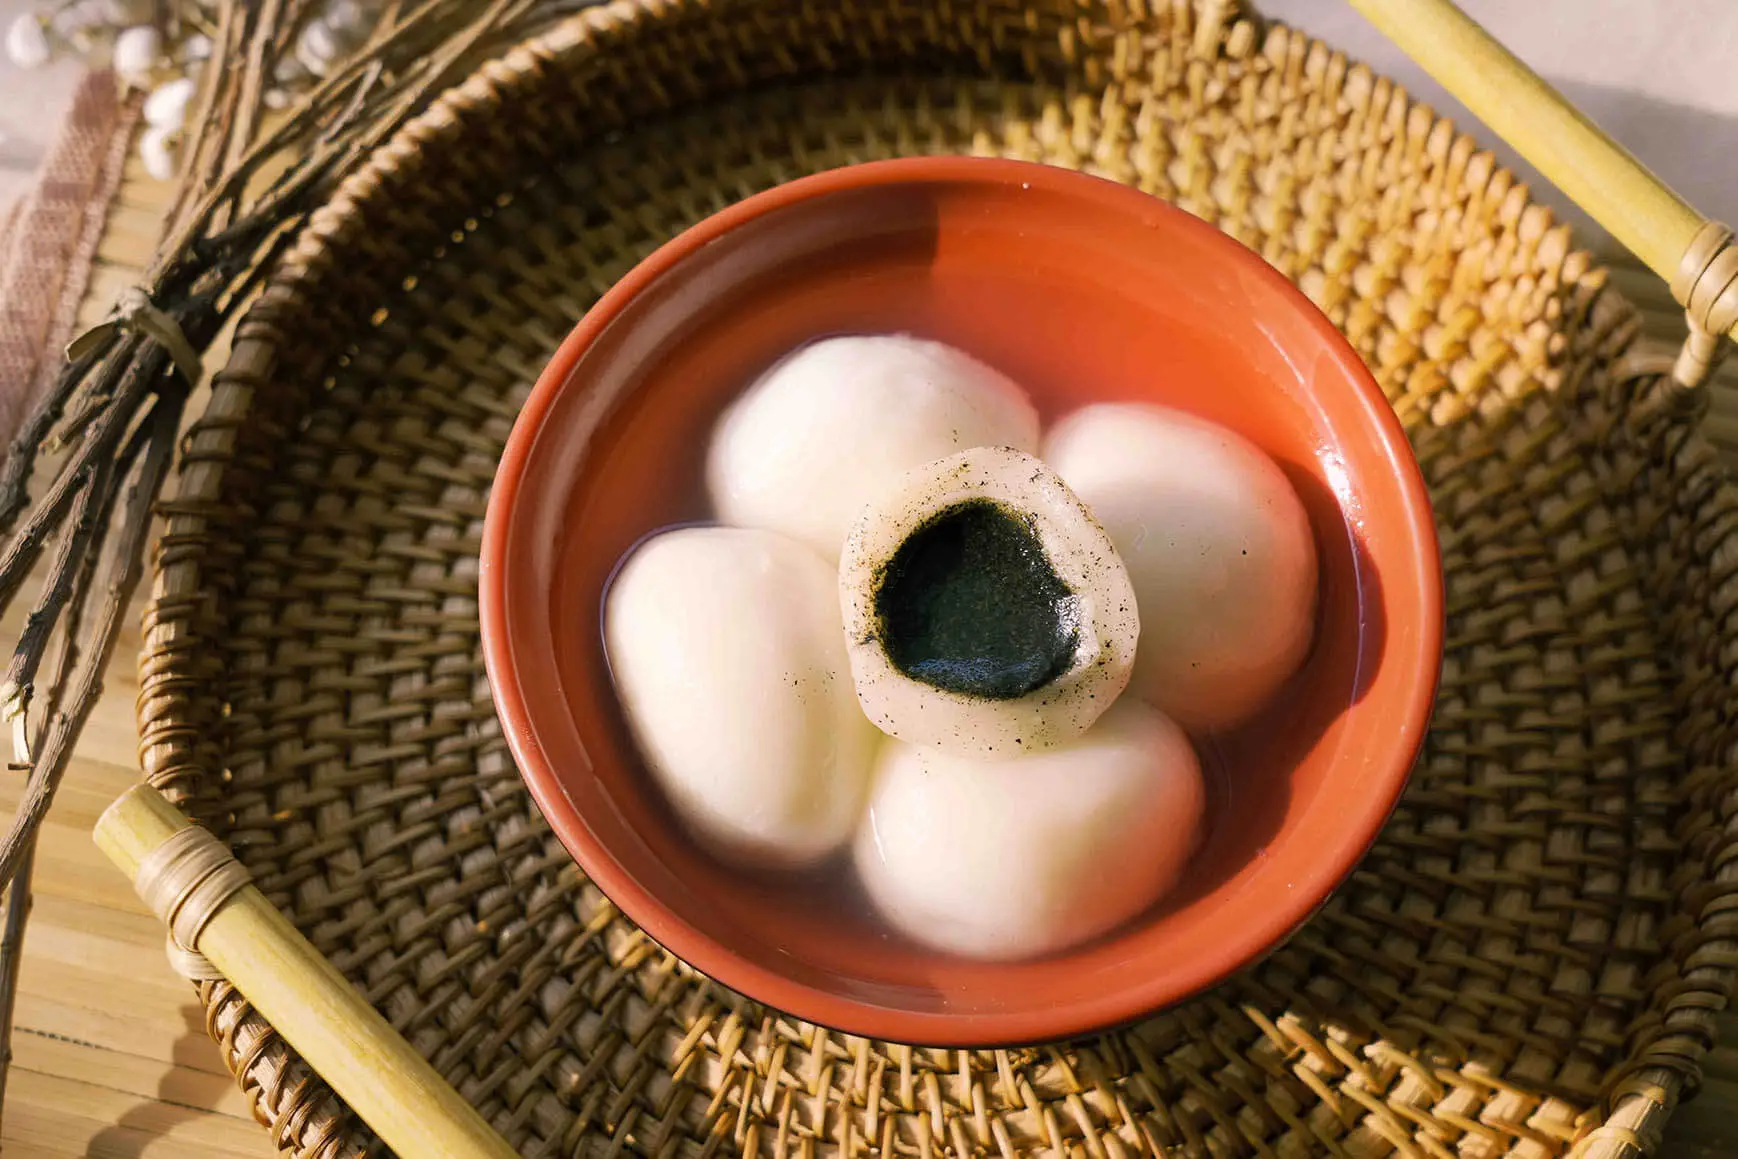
(1593, 170)
(397, 1093)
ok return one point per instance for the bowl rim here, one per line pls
(1422, 659)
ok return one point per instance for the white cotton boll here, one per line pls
(166, 107)
(1014, 858)
(317, 47)
(836, 425)
(316, 66)
(196, 48)
(288, 71)
(74, 20)
(157, 151)
(346, 18)
(26, 42)
(136, 51)
(276, 99)
(86, 16)
(1218, 547)
(727, 653)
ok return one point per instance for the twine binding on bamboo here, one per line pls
(185, 881)
(1706, 286)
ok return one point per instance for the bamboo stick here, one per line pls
(397, 1093)
(1593, 170)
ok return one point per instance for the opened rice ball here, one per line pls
(747, 720)
(834, 426)
(1005, 859)
(986, 611)
(1217, 545)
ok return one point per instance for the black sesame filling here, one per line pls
(970, 604)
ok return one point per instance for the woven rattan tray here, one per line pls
(1524, 964)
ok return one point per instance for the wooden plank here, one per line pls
(55, 1115)
(147, 1078)
(132, 231)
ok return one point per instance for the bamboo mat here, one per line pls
(112, 1059)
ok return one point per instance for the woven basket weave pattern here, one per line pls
(1524, 963)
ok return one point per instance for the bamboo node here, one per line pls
(1706, 285)
(185, 881)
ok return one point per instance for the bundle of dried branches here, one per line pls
(113, 415)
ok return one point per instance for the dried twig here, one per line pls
(18, 899)
(18, 904)
(116, 409)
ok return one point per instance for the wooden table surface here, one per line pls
(112, 1058)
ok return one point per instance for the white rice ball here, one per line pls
(1010, 859)
(728, 655)
(1218, 547)
(833, 428)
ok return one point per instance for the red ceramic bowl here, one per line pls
(1082, 290)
